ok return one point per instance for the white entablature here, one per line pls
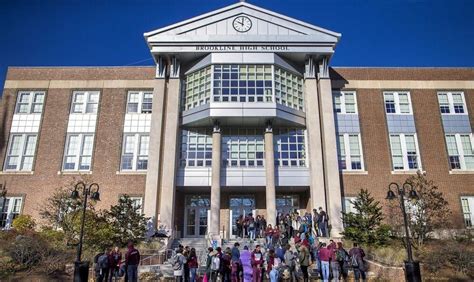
(216, 32)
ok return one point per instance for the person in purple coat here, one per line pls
(246, 262)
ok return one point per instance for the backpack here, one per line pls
(103, 261)
(354, 261)
(175, 262)
(215, 263)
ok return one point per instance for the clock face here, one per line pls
(242, 24)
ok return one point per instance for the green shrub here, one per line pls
(24, 223)
(55, 238)
(365, 224)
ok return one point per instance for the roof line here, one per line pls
(391, 67)
(240, 4)
(72, 67)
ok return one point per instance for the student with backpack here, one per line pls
(357, 262)
(342, 257)
(207, 276)
(305, 261)
(290, 262)
(215, 265)
(178, 261)
(103, 266)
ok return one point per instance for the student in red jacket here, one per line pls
(193, 264)
(132, 260)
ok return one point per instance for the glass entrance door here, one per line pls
(287, 203)
(196, 216)
(240, 206)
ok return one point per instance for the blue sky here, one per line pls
(110, 33)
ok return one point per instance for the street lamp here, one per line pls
(412, 268)
(81, 269)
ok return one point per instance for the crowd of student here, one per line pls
(274, 262)
(288, 225)
(111, 266)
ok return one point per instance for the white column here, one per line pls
(216, 181)
(317, 191)
(270, 176)
(170, 140)
(150, 206)
(331, 167)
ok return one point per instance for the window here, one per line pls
(78, 152)
(21, 152)
(452, 103)
(243, 83)
(404, 148)
(350, 152)
(286, 204)
(460, 151)
(290, 147)
(198, 88)
(85, 102)
(243, 147)
(135, 151)
(345, 102)
(196, 148)
(467, 204)
(137, 203)
(29, 102)
(289, 89)
(11, 209)
(397, 102)
(139, 102)
(348, 206)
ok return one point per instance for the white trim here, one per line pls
(460, 149)
(22, 146)
(470, 211)
(31, 97)
(137, 141)
(347, 150)
(79, 154)
(396, 99)
(141, 97)
(87, 95)
(403, 145)
(9, 210)
(451, 102)
(343, 102)
(217, 15)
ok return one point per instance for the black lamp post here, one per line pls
(412, 268)
(81, 269)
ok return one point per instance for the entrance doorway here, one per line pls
(287, 203)
(240, 206)
(196, 216)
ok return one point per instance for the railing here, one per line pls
(159, 258)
